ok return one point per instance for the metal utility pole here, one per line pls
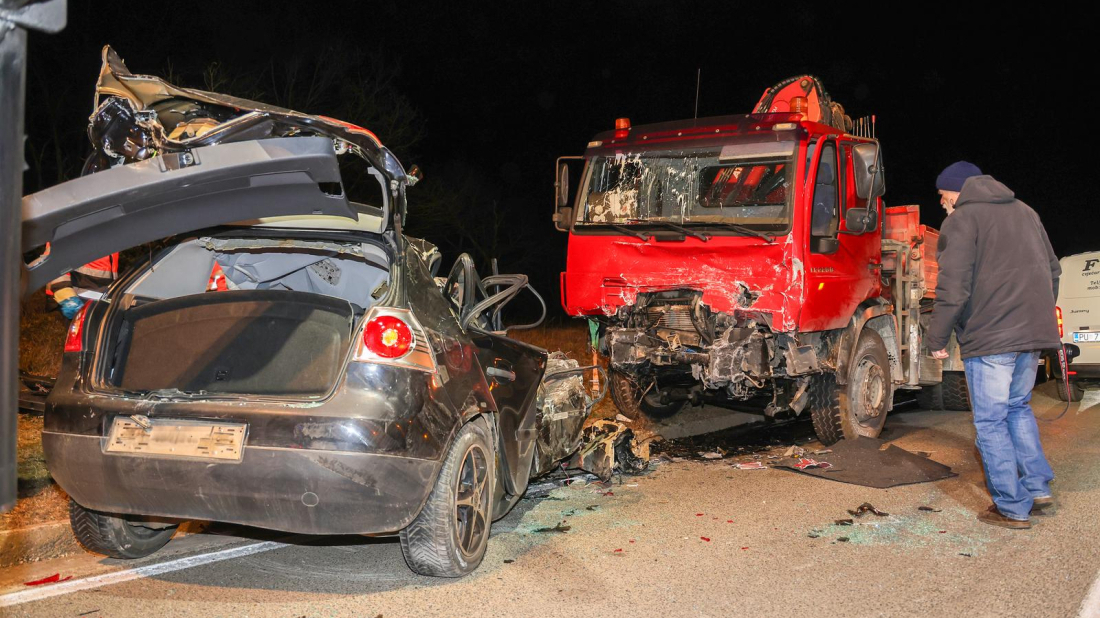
(16, 18)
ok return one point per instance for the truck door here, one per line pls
(841, 267)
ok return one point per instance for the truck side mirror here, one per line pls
(861, 220)
(867, 165)
(563, 213)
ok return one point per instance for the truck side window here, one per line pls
(851, 200)
(824, 218)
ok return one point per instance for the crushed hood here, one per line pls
(200, 118)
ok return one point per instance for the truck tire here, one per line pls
(930, 397)
(1075, 388)
(116, 536)
(956, 394)
(625, 393)
(857, 409)
(449, 536)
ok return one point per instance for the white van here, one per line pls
(1079, 321)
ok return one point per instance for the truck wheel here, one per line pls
(930, 397)
(1075, 388)
(956, 394)
(634, 402)
(116, 536)
(449, 536)
(859, 407)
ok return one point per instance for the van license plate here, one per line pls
(1078, 337)
(176, 438)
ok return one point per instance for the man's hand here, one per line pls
(940, 354)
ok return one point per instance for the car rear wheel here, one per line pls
(117, 536)
(449, 536)
(637, 400)
(1075, 388)
(858, 408)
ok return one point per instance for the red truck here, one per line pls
(750, 262)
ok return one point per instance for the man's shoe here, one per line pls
(1041, 504)
(994, 517)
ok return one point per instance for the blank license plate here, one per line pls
(1086, 336)
(172, 438)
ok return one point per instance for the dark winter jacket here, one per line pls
(998, 275)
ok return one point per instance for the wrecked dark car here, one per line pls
(288, 358)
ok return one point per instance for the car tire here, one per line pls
(116, 536)
(956, 394)
(449, 536)
(635, 406)
(858, 408)
(930, 397)
(1075, 388)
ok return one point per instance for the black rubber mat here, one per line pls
(865, 462)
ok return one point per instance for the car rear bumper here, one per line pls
(295, 490)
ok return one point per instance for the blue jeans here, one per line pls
(1016, 470)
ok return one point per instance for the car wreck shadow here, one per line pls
(340, 565)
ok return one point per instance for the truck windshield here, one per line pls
(743, 184)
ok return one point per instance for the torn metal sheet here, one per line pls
(609, 447)
(563, 406)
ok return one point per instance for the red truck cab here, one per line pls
(740, 258)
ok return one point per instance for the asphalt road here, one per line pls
(689, 539)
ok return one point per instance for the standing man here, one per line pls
(997, 283)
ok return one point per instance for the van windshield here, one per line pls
(743, 184)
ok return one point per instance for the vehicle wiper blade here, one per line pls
(627, 231)
(744, 229)
(672, 226)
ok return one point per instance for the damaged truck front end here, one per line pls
(669, 349)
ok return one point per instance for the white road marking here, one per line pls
(117, 577)
(1090, 607)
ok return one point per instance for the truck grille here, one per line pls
(673, 317)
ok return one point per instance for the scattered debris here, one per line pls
(52, 579)
(707, 539)
(698, 514)
(608, 447)
(967, 555)
(560, 528)
(711, 455)
(929, 509)
(823, 451)
(814, 534)
(844, 522)
(754, 465)
(94, 611)
(623, 419)
(842, 539)
(618, 551)
(865, 508)
(509, 561)
(592, 507)
(795, 451)
(805, 463)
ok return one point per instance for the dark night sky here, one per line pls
(506, 87)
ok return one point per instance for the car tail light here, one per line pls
(388, 336)
(393, 337)
(1058, 315)
(74, 340)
